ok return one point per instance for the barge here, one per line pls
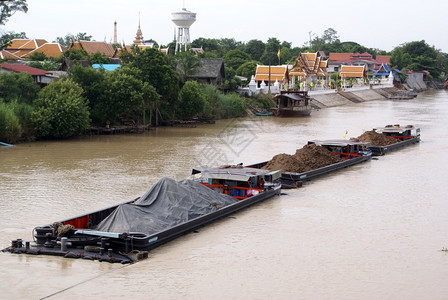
(125, 233)
(405, 136)
(351, 152)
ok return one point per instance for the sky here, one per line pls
(382, 24)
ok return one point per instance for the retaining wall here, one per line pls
(332, 98)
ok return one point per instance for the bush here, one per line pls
(18, 86)
(10, 128)
(61, 110)
(234, 105)
(191, 100)
(222, 106)
(24, 111)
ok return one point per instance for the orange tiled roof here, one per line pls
(352, 71)
(28, 44)
(49, 49)
(91, 47)
(309, 63)
(6, 54)
(384, 59)
(277, 73)
(339, 56)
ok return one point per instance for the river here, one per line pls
(372, 231)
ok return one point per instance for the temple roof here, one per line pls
(92, 46)
(352, 71)
(277, 73)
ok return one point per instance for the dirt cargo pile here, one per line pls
(310, 157)
(375, 138)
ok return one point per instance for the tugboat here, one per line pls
(292, 104)
(405, 136)
(240, 182)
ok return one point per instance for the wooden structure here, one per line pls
(211, 71)
(292, 104)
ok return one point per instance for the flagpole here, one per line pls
(269, 80)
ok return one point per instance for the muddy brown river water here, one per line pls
(372, 231)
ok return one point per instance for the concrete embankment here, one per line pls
(333, 98)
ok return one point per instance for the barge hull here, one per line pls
(291, 178)
(124, 247)
(381, 150)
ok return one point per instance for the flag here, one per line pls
(278, 54)
(345, 134)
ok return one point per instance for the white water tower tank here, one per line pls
(183, 20)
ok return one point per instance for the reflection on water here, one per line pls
(371, 231)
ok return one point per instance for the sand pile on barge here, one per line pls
(375, 138)
(308, 158)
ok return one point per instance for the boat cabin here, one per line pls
(343, 148)
(238, 181)
(292, 104)
(399, 132)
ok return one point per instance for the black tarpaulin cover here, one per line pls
(168, 203)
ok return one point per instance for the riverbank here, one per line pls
(323, 99)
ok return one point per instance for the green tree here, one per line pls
(417, 56)
(92, 82)
(10, 128)
(123, 95)
(6, 38)
(37, 56)
(18, 86)
(75, 54)
(9, 8)
(61, 111)
(186, 64)
(206, 44)
(67, 40)
(247, 69)
(255, 48)
(227, 44)
(235, 58)
(98, 58)
(231, 82)
(270, 53)
(191, 100)
(155, 69)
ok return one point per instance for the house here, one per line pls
(211, 71)
(336, 60)
(41, 77)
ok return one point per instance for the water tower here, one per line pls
(183, 20)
